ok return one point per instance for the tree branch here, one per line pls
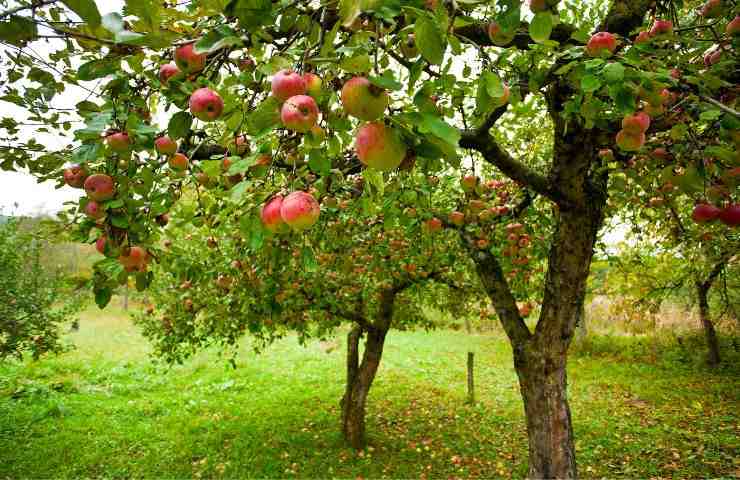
(15, 10)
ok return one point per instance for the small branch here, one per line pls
(33, 5)
(720, 105)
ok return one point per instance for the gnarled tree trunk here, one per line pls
(702, 291)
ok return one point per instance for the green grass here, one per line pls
(104, 410)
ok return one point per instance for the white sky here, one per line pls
(21, 189)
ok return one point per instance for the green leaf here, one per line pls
(102, 296)
(356, 64)
(251, 13)
(179, 125)
(493, 84)
(590, 83)
(386, 81)
(216, 39)
(86, 9)
(541, 27)
(349, 10)
(18, 30)
(113, 22)
(319, 162)
(613, 72)
(97, 69)
(439, 128)
(430, 39)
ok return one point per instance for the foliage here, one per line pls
(35, 300)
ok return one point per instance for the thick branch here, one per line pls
(478, 33)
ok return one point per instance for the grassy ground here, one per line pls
(104, 410)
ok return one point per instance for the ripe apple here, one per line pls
(363, 100)
(629, 141)
(379, 146)
(733, 28)
(246, 63)
(482, 243)
(469, 182)
(661, 153)
(498, 36)
(100, 187)
(299, 113)
(477, 205)
(165, 145)
(94, 210)
(74, 176)
(705, 212)
(662, 27)
(313, 84)
(286, 84)
(167, 71)
(712, 57)
(643, 37)
(637, 123)
(187, 60)
(730, 215)
(119, 142)
(206, 105)
(434, 224)
(270, 215)
(457, 218)
(300, 210)
(100, 244)
(601, 44)
(656, 202)
(711, 9)
(606, 154)
(178, 162)
(134, 259)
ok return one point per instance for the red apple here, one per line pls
(178, 162)
(286, 84)
(167, 71)
(662, 27)
(730, 215)
(74, 176)
(711, 9)
(119, 142)
(206, 105)
(712, 57)
(629, 141)
(733, 28)
(100, 187)
(94, 210)
(300, 210)
(643, 37)
(601, 44)
(637, 123)
(457, 218)
(434, 224)
(469, 182)
(246, 63)
(134, 259)
(379, 146)
(164, 145)
(363, 100)
(187, 60)
(100, 244)
(705, 212)
(498, 36)
(313, 84)
(270, 215)
(299, 113)
(606, 154)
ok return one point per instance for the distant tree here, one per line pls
(34, 301)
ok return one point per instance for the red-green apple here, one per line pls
(94, 210)
(74, 176)
(379, 146)
(178, 162)
(300, 210)
(299, 113)
(705, 212)
(119, 142)
(498, 36)
(313, 84)
(637, 123)
(134, 259)
(206, 105)
(643, 37)
(630, 141)
(730, 215)
(662, 27)
(270, 215)
(286, 84)
(601, 44)
(100, 187)
(165, 145)
(733, 28)
(167, 71)
(187, 60)
(361, 99)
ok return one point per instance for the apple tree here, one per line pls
(563, 99)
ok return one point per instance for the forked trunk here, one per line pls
(542, 379)
(706, 322)
(359, 380)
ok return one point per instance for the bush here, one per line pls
(35, 300)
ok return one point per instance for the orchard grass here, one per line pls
(640, 409)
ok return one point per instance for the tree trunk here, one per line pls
(542, 379)
(702, 290)
(359, 381)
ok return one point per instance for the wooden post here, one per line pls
(471, 383)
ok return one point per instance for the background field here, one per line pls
(642, 407)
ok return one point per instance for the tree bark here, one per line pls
(471, 380)
(542, 379)
(358, 386)
(702, 290)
